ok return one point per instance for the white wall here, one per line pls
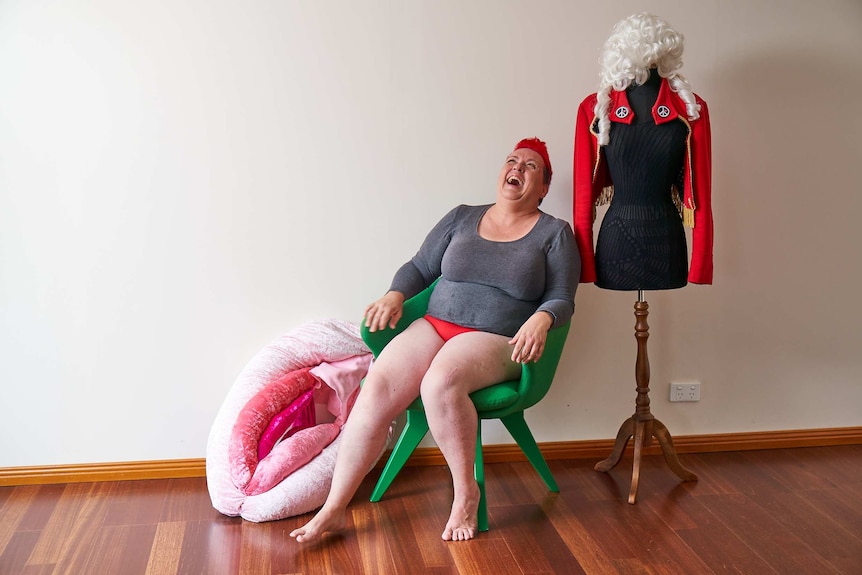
(181, 182)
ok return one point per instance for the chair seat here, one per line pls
(492, 398)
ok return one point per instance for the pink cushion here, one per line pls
(325, 340)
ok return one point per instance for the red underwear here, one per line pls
(445, 329)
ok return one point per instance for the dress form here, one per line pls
(642, 246)
(641, 243)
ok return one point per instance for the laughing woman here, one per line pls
(508, 273)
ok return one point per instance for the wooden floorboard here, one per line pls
(783, 511)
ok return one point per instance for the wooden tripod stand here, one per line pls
(643, 425)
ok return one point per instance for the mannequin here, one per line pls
(642, 144)
(641, 243)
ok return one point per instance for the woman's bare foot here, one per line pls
(463, 521)
(321, 523)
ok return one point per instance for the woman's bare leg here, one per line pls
(391, 385)
(467, 362)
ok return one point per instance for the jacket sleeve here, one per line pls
(585, 163)
(700, 271)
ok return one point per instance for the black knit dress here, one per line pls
(641, 243)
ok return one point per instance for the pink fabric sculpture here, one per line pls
(272, 446)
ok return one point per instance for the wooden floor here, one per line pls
(789, 511)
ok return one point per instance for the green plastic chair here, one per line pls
(505, 401)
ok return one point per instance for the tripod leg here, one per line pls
(636, 467)
(664, 439)
(623, 435)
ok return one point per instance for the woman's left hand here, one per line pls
(529, 342)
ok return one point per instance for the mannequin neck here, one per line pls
(643, 96)
(653, 81)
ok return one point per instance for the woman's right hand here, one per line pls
(385, 311)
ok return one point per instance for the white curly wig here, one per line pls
(638, 43)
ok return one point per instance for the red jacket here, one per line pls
(592, 177)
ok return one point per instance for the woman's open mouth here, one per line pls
(514, 181)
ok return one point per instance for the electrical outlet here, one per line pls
(689, 391)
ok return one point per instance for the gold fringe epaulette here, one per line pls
(677, 199)
(687, 214)
(605, 197)
(688, 217)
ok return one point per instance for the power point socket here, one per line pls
(685, 391)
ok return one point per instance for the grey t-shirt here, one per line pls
(494, 286)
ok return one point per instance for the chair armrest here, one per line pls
(536, 378)
(414, 308)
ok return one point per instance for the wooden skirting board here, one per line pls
(588, 449)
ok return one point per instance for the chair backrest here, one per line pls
(536, 378)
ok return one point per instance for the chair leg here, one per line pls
(479, 474)
(524, 438)
(414, 430)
